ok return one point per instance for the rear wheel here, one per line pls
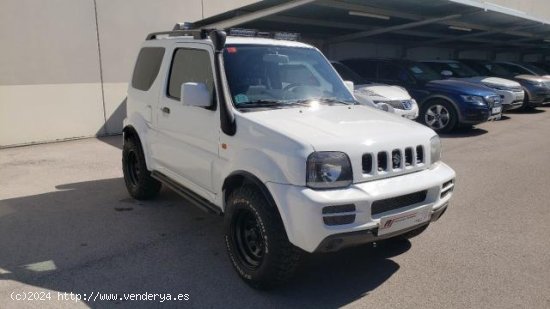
(138, 179)
(439, 115)
(256, 240)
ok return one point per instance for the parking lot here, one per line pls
(67, 224)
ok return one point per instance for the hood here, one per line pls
(493, 81)
(460, 86)
(383, 92)
(342, 128)
(534, 78)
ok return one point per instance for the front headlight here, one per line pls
(435, 149)
(328, 169)
(473, 99)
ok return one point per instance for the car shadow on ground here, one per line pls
(112, 140)
(462, 132)
(91, 237)
(536, 110)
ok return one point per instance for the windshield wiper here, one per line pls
(258, 103)
(323, 100)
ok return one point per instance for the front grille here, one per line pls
(394, 160)
(382, 161)
(400, 104)
(388, 204)
(367, 163)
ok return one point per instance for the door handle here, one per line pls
(165, 110)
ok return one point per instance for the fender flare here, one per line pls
(240, 177)
(137, 128)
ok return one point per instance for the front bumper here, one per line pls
(474, 115)
(339, 241)
(511, 99)
(411, 113)
(301, 208)
(539, 96)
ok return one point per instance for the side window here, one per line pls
(390, 72)
(514, 69)
(147, 67)
(190, 65)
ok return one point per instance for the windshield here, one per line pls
(479, 68)
(503, 70)
(422, 72)
(460, 70)
(278, 76)
(535, 69)
(515, 69)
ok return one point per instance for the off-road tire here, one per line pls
(453, 115)
(279, 259)
(139, 182)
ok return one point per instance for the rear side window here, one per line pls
(190, 65)
(147, 67)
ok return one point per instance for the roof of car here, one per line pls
(162, 40)
(264, 41)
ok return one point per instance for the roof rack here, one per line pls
(196, 34)
(242, 32)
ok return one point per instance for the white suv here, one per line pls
(265, 132)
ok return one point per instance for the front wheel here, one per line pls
(526, 103)
(139, 182)
(439, 115)
(256, 240)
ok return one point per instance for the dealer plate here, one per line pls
(403, 220)
(497, 110)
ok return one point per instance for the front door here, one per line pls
(187, 137)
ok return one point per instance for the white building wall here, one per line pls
(50, 76)
(123, 26)
(49, 71)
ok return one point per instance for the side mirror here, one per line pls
(195, 94)
(349, 85)
(446, 73)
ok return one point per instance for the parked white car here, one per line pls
(393, 99)
(510, 91)
(265, 133)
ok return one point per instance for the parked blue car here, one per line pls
(444, 104)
